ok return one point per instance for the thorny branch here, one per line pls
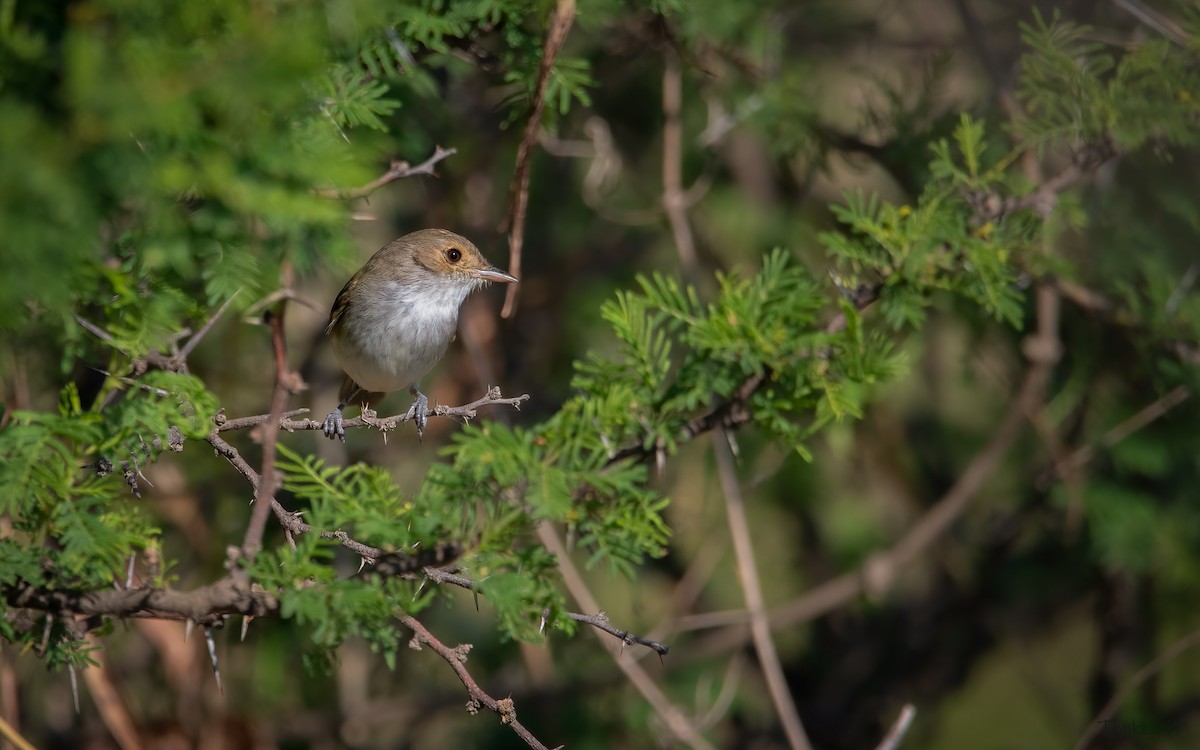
(456, 658)
(397, 170)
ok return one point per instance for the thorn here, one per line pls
(476, 593)
(420, 588)
(542, 627)
(362, 563)
(187, 630)
(246, 626)
(129, 571)
(212, 655)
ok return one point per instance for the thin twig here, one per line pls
(673, 200)
(208, 324)
(892, 740)
(600, 621)
(1189, 641)
(518, 198)
(747, 568)
(397, 170)
(456, 657)
(1144, 416)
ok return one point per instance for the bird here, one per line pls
(395, 317)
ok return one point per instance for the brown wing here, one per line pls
(340, 303)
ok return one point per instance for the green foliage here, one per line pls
(1077, 91)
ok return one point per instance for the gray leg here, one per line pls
(419, 411)
(333, 422)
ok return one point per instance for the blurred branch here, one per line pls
(764, 645)
(673, 199)
(518, 201)
(9, 733)
(675, 720)
(456, 658)
(1145, 416)
(900, 728)
(397, 170)
(1189, 641)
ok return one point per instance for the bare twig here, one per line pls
(600, 621)
(1189, 641)
(673, 200)
(518, 199)
(1141, 419)
(456, 657)
(397, 170)
(9, 733)
(895, 735)
(208, 324)
(764, 645)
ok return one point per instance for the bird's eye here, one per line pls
(453, 254)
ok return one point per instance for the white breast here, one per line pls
(394, 344)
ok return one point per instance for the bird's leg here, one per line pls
(333, 422)
(419, 411)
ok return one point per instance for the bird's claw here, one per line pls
(333, 426)
(419, 412)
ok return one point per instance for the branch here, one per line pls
(895, 735)
(265, 488)
(599, 620)
(397, 170)
(673, 200)
(456, 657)
(518, 200)
(760, 627)
(1189, 641)
(384, 424)
(205, 606)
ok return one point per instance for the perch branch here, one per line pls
(397, 170)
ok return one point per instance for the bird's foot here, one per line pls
(333, 426)
(419, 412)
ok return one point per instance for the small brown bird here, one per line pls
(393, 320)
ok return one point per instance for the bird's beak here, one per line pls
(491, 273)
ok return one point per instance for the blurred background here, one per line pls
(1073, 561)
